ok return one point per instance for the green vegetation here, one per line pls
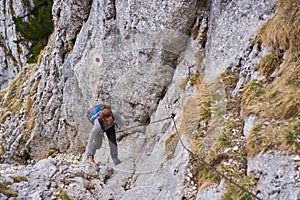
(205, 176)
(281, 136)
(278, 104)
(293, 83)
(63, 195)
(293, 135)
(106, 178)
(38, 28)
(206, 110)
(233, 192)
(224, 139)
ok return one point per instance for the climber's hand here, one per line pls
(92, 161)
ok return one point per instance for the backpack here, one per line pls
(93, 112)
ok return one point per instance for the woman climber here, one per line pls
(105, 123)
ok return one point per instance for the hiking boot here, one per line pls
(116, 160)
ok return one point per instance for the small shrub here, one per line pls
(40, 23)
(39, 27)
(36, 49)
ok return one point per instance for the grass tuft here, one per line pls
(171, 144)
(282, 33)
(281, 136)
(269, 64)
(63, 195)
(4, 189)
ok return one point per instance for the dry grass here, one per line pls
(193, 108)
(206, 177)
(276, 101)
(1, 150)
(34, 86)
(19, 178)
(20, 94)
(30, 123)
(196, 115)
(3, 93)
(230, 80)
(5, 189)
(269, 64)
(190, 120)
(171, 144)
(281, 100)
(13, 96)
(232, 192)
(280, 103)
(282, 33)
(282, 136)
(5, 115)
(250, 94)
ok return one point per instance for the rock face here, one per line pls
(140, 57)
(12, 50)
(277, 179)
(231, 33)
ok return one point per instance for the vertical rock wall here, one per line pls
(13, 49)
